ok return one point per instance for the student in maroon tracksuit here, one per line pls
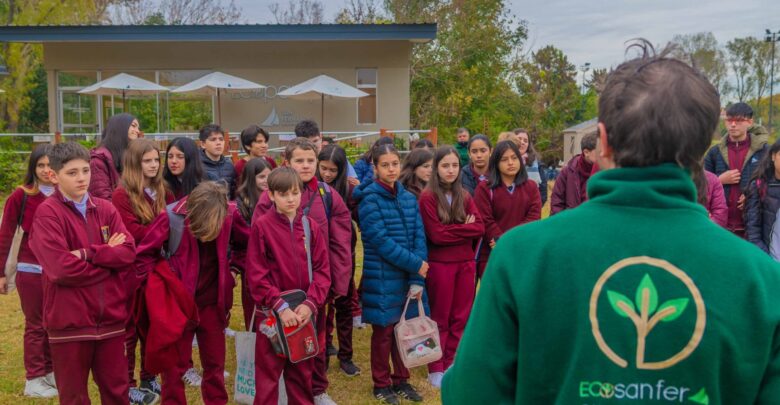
(334, 221)
(452, 228)
(254, 140)
(37, 358)
(84, 247)
(332, 169)
(277, 263)
(508, 199)
(106, 159)
(201, 262)
(248, 193)
(140, 197)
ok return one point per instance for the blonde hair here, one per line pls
(133, 180)
(509, 136)
(207, 207)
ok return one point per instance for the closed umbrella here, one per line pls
(124, 85)
(319, 87)
(216, 83)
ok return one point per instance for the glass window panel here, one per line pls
(366, 78)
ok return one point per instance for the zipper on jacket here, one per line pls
(101, 299)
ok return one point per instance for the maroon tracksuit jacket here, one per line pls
(503, 211)
(104, 176)
(84, 298)
(277, 262)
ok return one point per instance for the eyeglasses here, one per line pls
(733, 120)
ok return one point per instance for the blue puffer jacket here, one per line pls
(763, 202)
(364, 170)
(394, 249)
(717, 158)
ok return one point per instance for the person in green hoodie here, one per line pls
(649, 301)
(462, 146)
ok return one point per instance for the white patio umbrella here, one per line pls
(218, 82)
(318, 88)
(123, 85)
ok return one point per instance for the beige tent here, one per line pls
(572, 137)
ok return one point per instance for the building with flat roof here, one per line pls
(373, 58)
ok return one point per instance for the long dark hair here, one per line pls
(193, 168)
(415, 159)
(114, 137)
(494, 175)
(337, 155)
(385, 140)
(247, 192)
(30, 178)
(766, 168)
(449, 213)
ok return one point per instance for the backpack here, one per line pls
(175, 230)
(326, 193)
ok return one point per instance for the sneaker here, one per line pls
(349, 368)
(406, 391)
(435, 379)
(332, 351)
(192, 378)
(194, 341)
(357, 322)
(386, 396)
(138, 397)
(151, 386)
(49, 378)
(226, 374)
(39, 388)
(230, 332)
(324, 399)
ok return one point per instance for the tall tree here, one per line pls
(548, 86)
(361, 12)
(298, 12)
(23, 59)
(702, 51)
(462, 78)
(741, 55)
(174, 12)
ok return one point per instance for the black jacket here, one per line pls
(763, 201)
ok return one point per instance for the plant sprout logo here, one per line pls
(646, 313)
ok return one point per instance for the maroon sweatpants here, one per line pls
(131, 333)
(37, 356)
(211, 345)
(319, 381)
(247, 303)
(268, 369)
(105, 358)
(450, 295)
(343, 308)
(384, 349)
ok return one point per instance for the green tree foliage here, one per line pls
(463, 78)
(551, 97)
(701, 50)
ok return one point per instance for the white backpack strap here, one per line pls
(307, 242)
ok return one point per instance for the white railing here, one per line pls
(339, 136)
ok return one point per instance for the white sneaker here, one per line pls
(49, 378)
(435, 379)
(230, 332)
(324, 399)
(226, 374)
(39, 388)
(357, 322)
(194, 341)
(192, 378)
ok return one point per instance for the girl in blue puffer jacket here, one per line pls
(763, 203)
(394, 267)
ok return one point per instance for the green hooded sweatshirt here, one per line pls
(633, 297)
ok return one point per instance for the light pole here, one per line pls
(584, 68)
(772, 37)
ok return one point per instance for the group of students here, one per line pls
(427, 225)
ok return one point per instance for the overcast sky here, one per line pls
(595, 31)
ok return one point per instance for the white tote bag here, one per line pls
(246, 383)
(13, 254)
